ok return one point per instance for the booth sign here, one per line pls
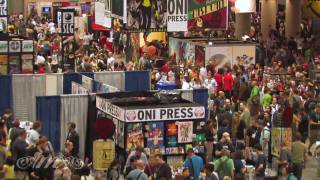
(109, 108)
(3, 46)
(176, 113)
(103, 154)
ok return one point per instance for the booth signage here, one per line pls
(3, 46)
(27, 46)
(14, 46)
(67, 27)
(3, 8)
(177, 15)
(176, 113)
(103, 154)
(109, 108)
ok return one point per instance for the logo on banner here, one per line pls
(67, 23)
(3, 8)
(3, 47)
(177, 15)
(14, 46)
(109, 108)
(27, 46)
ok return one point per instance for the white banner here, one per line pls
(3, 8)
(177, 15)
(101, 15)
(87, 83)
(160, 114)
(78, 89)
(107, 107)
(245, 6)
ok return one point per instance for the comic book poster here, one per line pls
(146, 15)
(182, 51)
(14, 64)
(171, 134)
(279, 136)
(134, 136)
(200, 55)
(27, 63)
(185, 132)
(244, 55)
(219, 55)
(208, 14)
(154, 134)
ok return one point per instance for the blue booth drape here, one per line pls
(48, 112)
(137, 81)
(5, 93)
(201, 96)
(67, 79)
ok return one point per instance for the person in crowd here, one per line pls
(224, 143)
(245, 114)
(261, 162)
(139, 154)
(163, 170)
(73, 138)
(114, 170)
(299, 152)
(210, 173)
(284, 160)
(20, 150)
(7, 118)
(209, 134)
(264, 136)
(194, 163)
(210, 83)
(224, 165)
(228, 84)
(239, 166)
(314, 124)
(3, 152)
(138, 173)
(61, 170)
(132, 165)
(34, 134)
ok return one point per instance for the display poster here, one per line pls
(27, 46)
(4, 47)
(120, 135)
(279, 136)
(3, 24)
(219, 55)
(171, 134)
(87, 83)
(311, 9)
(14, 64)
(27, 63)
(185, 132)
(3, 64)
(174, 113)
(245, 6)
(143, 15)
(154, 134)
(177, 15)
(181, 51)
(210, 14)
(67, 22)
(244, 55)
(103, 154)
(134, 136)
(101, 15)
(14, 46)
(3, 8)
(200, 55)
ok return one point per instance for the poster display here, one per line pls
(185, 132)
(27, 46)
(154, 134)
(175, 162)
(172, 134)
(177, 15)
(200, 55)
(14, 64)
(146, 15)
(311, 9)
(278, 136)
(182, 51)
(27, 63)
(3, 64)
(243, 55)
(134, 136)
(219, 55)
(103, 154)
(211, 14)
(3, 24)
(4, 47)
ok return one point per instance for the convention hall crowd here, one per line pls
(245, 103)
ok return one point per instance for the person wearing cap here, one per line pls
(194, 163)
(224, 165)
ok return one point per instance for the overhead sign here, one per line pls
(177, 15)
(160, 114)
(3, 46)
(245, 6)
(67, 23)
(102, 13)
(14, 46)
(27, 46)
(107, 107)
(3, 8)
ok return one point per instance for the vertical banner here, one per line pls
(177, 15)
(102, 9)
(211, 14)
(3, 8)
(147, 15)
(67, 22)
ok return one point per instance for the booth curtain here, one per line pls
(137, 81)
(48, 112)
(5, 93)
(74, 108)
(201, 96)
(25, 89)
(115, 79)
(54, 84)
(67, 79)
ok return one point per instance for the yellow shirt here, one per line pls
(146, 3)
(9, 172)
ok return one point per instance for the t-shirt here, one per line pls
(33, 137)
(163, 172)
(137, 174)
(87, 39)
(19, 149)
(254, 91)
(240, 130)
(197, 165)
(299, 150)
(266, 100)
(254, 136)
(265, 135)
(245, 116)
(224, 164)
(261, 160)
(228, 82)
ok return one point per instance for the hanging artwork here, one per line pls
(200, 55)
(171, 134)
(134, 136)
(185, 132)
(154, 134)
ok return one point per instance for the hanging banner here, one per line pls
(67, 22)
(107, 107)
(311, 9)
(245, 6)
(27, 46)
(3, 8)
(102, 11)
(161, 114)
(177, 15)
(103, 154)
(146, 15)
(211, 14)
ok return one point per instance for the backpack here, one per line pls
(222, 169)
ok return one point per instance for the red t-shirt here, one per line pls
(228, 82)
(219, 79)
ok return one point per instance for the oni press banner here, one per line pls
(210, 14)
(177, 15)
(3, 8)
(146, 15)
(161, 114)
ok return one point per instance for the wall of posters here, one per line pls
(14, 64)
(208, 14)
(27, 46)
(185, 132)
(14, 46)
(3, 8)
(171, 134)
(4, 47)
(134, 136)
(146, 15)
(200, 55)
(177, 15)
(3, 24)
(182, 51)
(27, 63)
(278, 136)
(311, 9)
(154, 134)
(3, 64)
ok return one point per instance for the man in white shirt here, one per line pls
(210, 83)
(111, 61)
(34, 135)
(203, 74)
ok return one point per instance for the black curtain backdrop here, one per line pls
(91, 133)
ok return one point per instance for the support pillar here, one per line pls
(268, 16)
(293, 18)
(243, 24)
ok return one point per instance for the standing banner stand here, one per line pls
(160, 123)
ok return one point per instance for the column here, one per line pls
(242, 24)
(268, 16)
(293, 18)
